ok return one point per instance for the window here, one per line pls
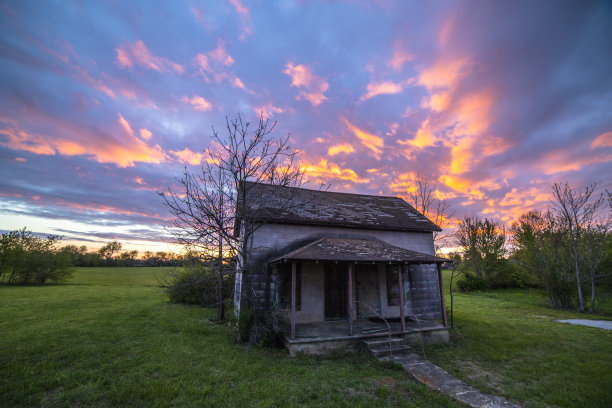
(284, 276)
(393, 294)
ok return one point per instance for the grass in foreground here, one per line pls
(109, 338)
(508, 343)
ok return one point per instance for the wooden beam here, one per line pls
(401, 295)
(293, 289)
(441, 287)
(350, 298)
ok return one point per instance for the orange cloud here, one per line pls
(268, 110)
(312, 86)
(130, 54)
(342, 148)
(424, 137)
(197, 102)
(463, 186)
(443, 74)
(382, 88)
(603, 140)
(187, 156)
(324, 171)
(369, 140)
(123, 151)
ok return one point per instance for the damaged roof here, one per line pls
(276, 204)
(356, 250)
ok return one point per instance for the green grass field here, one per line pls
(109, 338)
(508, 343)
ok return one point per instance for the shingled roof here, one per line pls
(356, 250)
(291, 205)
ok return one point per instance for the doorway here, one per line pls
(335, 291)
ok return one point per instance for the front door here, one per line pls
(335, 291)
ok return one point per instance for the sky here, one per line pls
(103, 104)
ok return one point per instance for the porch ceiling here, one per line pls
(356, 250)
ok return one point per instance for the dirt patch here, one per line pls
(388, 381)
(475, 374)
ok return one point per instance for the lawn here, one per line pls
(508, 343)
(108, 337)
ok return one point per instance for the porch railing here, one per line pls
(389, 327)
(383, 319)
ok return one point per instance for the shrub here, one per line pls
(267, 328)
(195, 284)
(26, 258)
(503, 274)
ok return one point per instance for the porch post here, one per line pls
(293, 284)
(401, 295)
(441, 286)
(350, 298)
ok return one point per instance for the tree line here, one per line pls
(111, 254)
(566, 249)
(28, 258)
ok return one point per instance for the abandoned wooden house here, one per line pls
(343, 267)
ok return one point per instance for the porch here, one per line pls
(333, 336)
(340, 291)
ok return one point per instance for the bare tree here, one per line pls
(210, 207)
(578, 210)
(422, 196)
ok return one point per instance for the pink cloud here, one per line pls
(383, 88)
(268, 110)
(145, 134)
(214, 65)
(312, 86)
(130, 54)
(197, 102)
(82, 75)
(399, 57)
(603, 140)
(245, 18)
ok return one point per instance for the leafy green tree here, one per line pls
(542, 247)
(483, 242)
(109, 250)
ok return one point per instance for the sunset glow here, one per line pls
(104, 104)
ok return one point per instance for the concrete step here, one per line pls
(396, 350)
(377, 342)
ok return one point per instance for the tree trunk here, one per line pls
(451, 296)
(592, 308)
(220, 303)
(578, 278)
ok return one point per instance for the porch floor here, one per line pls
(362, 328)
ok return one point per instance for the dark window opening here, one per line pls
(284, 274)
(393, 293)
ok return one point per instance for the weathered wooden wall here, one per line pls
(272, 240)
